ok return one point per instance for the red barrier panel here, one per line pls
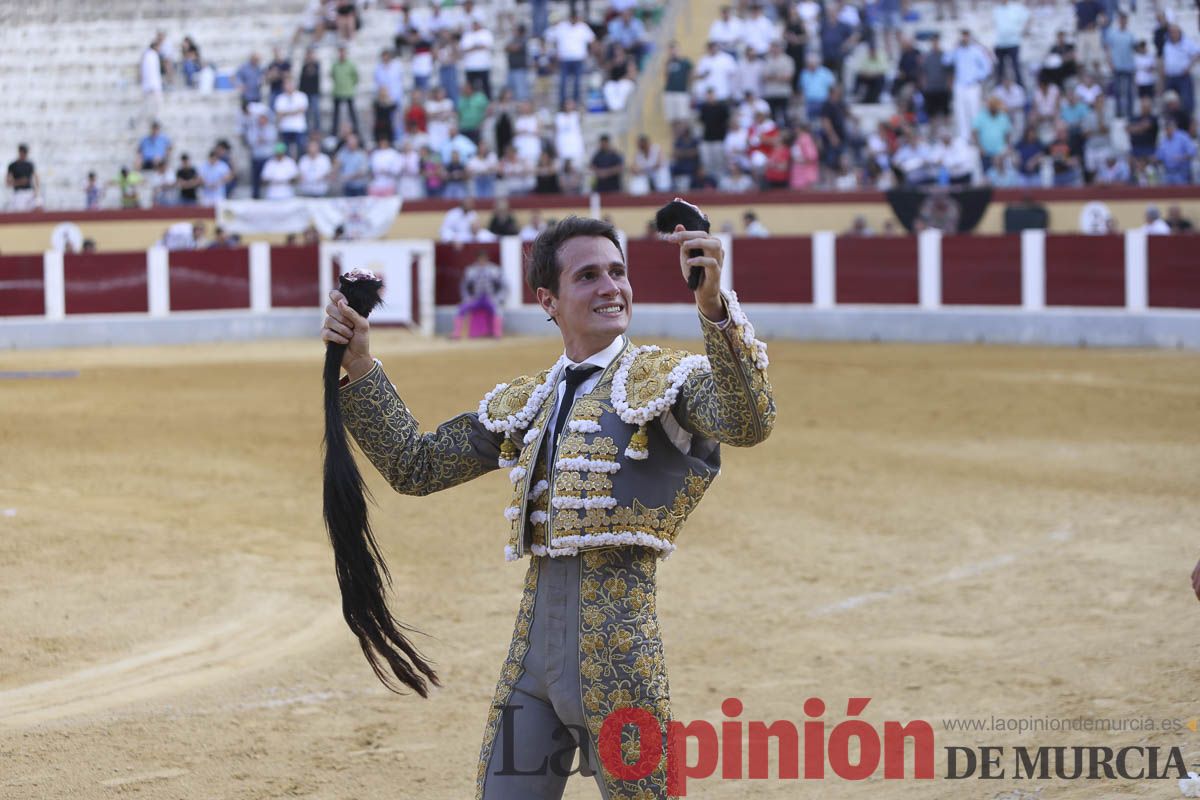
(877, 269)
(775, 270)
(105, 283)
(1085, 270)
(981, 270)
(1174, 271)
(210, 279)
(450, 263)
(295, 276)
(654, 272)
(22, 285)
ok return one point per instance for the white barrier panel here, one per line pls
(54, 287)
(391, 261)
(824, 267)
(929, 269)
(158, 281)
(512, 265)
(1033, 270)
(260, 277)
(1136, 268)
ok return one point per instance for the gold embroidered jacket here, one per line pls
(635, 456)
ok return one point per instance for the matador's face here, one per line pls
(594, 302)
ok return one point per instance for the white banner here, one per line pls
(391, 261)
(359, 217)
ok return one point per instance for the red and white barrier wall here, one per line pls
(1131, 289)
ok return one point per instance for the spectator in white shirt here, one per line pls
(389, 74)
(291, 116)
(532, 228)
(571, 40)
(386, 166)
(726, 31)
(456, 225)
(1010, 19)
(758, 32)
(1179, 55)
(315, 168)
(476, 46)
(1155, 224)
(279, 173)
(151, 79)
(972, 66)
(716, 71)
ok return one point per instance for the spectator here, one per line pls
(1143, 130)
(1114, 171)
(456, 225)
(571, 179)
(191, 62)
(310, 85)
(546, 175)
(726, 32)
(383, 111)
(503, 223)
(650, 168)
(516, 50)
(1175, 152)
(621, 82)
(971, 69)
(913, 161)
(872, 72)
(568, 133)
(1088, 19)
(347, 19)
(249, 78)
(128, 183)
(291, 113)
(278, 71)
(935, 81)
(1010, 20)
(222, 240)
(833, 119)
(779, 75)
(1004, 173)
(421, 64)
(1145, 70)
(1047, 102)
(412, 182)
(533, 227)
(758, 32)
(677, 76)
(736, 180)
(627, 31)
(315, 169)
(260, 139)
(154, 148)
(1012, 99)
(345, 85)
(954, 160)
(161, 185)
(1087, 90)
(1179, 55)
(476, 46)
(187, 181)
(1120, 45)
(482, 170)
(440, 112)
(805, 160)
(446, 55)
(456, 177)
(389, 74)
(572, 39)
(352, 167)
(472, 110)
(754, 228)
(716, 71)
(1060, 62)
(992, 129)
(685, 157)
(838, 39)
(1063, 158)
(279, 173)
(215, 176)
(1172, 109)
(714, 122)
(815, 82)
(908, 68)
(386, 165)
(1030, 154)
(1155, 224)
(516, 174)
(777, 170)
(607, 167)
(795, 39)
(150, 71)
(456, 142)
(1178, 222)
(91, 193)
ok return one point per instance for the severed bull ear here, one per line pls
(681, 212)
(361, 572)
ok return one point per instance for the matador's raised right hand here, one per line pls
(343, 326)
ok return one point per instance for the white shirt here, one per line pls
(1144, 72)
(289, 110)
(477, 60)
(716, 73)
(758, 32)
(971, 65)
(456, 225)
(1009, 20)
(1157, 228)
(572, 41)
(151, 71)
(1013, 96)
(278, 174)
(390, 76)
(529, 233)
(386, 165)
(1177, 56)
(727, 33)
(1088, 94)
(314, 173)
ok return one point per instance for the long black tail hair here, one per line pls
(361, 572)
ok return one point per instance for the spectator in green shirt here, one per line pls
(345, 84)
(472, 108)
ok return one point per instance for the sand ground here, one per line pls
(951, 531)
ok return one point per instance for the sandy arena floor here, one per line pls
(951, 531)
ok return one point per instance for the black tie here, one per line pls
(575, 376)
